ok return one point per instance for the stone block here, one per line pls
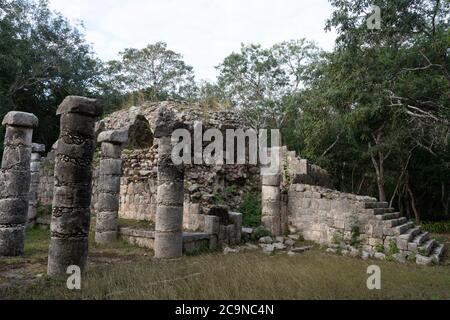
(20, 119)
(13, 211)
(111, 167)
(169, 219)
(212, 224)
(170, 194)
(114, 136)
(168, 245)
(68, 222)
(65, 252)
(82, 105)
(270, 193)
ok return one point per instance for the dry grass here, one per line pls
(124, 272)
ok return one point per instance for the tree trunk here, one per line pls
(413, 204)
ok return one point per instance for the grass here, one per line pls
(121, 271)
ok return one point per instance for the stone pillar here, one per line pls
(72, 192)
(170, 198)
(37, 151)
(271, 196)
(15, 181)
(106, 228)
(212, 227)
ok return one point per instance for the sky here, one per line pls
(203, 31)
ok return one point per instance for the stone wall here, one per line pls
(323, 215)
(45, 192)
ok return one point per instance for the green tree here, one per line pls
(258, 80)
(154, 72)
(43, 58)
(388, 91)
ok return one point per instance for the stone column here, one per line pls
(112, 142)
(37, 150)
(73, 178)
(271, 196)
(170, 198)
(15, 181)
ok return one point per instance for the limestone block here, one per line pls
(70, 222)
(114, 136)
(64, 252)
(270, 193)
(170, 194)
(168, 245)
(20, 119)
(12, 240)
(169, 218)
(111, 166)
(212, 224)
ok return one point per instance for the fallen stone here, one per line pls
(292, 254)
(365, 255)
(268, 248)
(266, 240)
(379, 256)
(354, 253)
(228, 250)
(289, 242)
(251, 246)
(295, 237)
(400, 258)
(279, 246)
(331, 250)
(424, 261)
(279, 239)
(301, 249)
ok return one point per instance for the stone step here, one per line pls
(373, 205)
(438, 252)
(378, 211)
(418, 241)
(388, 216)
(410, 234)
(394, 222)
(426, 249)
(401, 229)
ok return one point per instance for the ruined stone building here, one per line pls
(300, 199)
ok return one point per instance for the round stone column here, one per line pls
(15, 181)
(112, 142)
(170, 197)
(73, 184)
(37, 150)
(271, 193)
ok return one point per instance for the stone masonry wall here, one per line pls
(324, 216)
(45, 191)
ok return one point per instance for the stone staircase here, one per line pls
(409, 238)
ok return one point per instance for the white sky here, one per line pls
(203, 31)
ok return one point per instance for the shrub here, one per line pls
(251, 210)
(355, 241)
(437, 227)
(393, 249)
(379, 248)
(261, 232)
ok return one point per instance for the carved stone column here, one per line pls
(15, 181)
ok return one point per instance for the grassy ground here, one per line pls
(121, 271)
